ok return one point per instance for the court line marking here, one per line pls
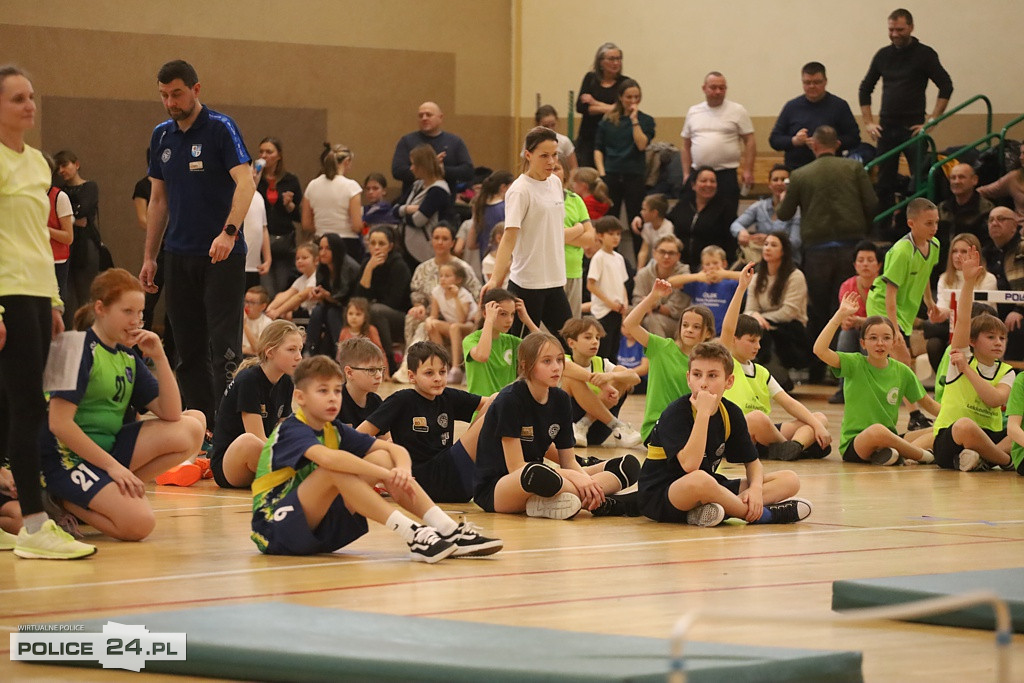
(493, 575)
(525, 551)
(204, 507)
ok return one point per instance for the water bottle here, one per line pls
(259, 166)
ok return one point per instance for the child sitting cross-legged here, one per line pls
(679, 482)
(969, 433)
(595, 410)
(364, 366)
(754, 389)
(314, 485)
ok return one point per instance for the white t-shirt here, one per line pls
(985, 371)
(944, 298)
(609, 270)
(63, 205)
(304, 282)
(537, 208)
(714, 134)
(252, 228)
(650, 235)
(329, 200)
(254, 327)
(446, 306)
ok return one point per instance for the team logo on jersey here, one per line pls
(719, 451)
(166, 156)
(128, 374)
(197, 150)
(893, 397)
(526, 433)
(419, 424)
(553, 431)
(442, 420)
(507, 357)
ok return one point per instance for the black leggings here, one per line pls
(548, 306)
(22, 406)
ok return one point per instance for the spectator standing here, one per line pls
(333, 201)
(282, 193)
(451, 151)
(84, 260)
(201, 188)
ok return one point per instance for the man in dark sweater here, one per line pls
(836, 205)
(905, 68)
(801, 116)
(451, 150)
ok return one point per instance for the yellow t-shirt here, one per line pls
(26, 260)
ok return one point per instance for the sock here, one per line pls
(34, 522)
(585, 422)
(766, 516)
(616, 424)
(436, 518)
(401, 525)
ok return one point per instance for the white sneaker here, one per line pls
(563, 506)
(580, 432)
(708, 514)
(968, 460)
(51, 543)
(627, 437)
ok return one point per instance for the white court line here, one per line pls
(204, 507)
(199, 495)
(364, 561)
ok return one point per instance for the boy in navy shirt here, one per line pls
(422, 420)
(313, 490)
(679, 482)
(364, 365)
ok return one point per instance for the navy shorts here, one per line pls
(80, 484)
(217, 467)
(283, 529)
(656, 505)
(946, 449)
(448, 476)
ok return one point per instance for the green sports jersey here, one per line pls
(1015, 406)
(750, 392)
(940, 375)
(666, 379)
(499, 371)
(575, 212)
(960, 399)
(873, 395)
(111, 381)
(909, 270)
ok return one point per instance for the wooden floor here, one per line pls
(628, 576)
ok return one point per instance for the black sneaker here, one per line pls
(918, 421)
(618, 506)
(427, 546)
(785, 450)
(816, 452)
(837, 398)
(588, 461)
(469, 543)
(887, 457)
(789, 511)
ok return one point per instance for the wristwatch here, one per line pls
(230, 230)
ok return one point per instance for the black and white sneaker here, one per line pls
(427, 546)
(785, 450)
(789, 511)
(624, 505)
(886, 457)
(918, 420)
(470, 543)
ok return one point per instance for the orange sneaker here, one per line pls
(184, 474)
(204, 467)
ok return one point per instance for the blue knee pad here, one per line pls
(540, 480)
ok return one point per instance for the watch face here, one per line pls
(230, 230)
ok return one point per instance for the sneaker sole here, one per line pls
(562, 506)
(433, 559)
(480, 550)
(47, 555)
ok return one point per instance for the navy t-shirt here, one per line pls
(251, 392)
(671, 433)
(351, 414)
(514, 413)
(196, 167)
(422, 426)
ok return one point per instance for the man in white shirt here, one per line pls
(718, 133)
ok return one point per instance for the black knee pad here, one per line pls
(626, 468)
(540, 480)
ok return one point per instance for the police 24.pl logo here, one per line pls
(118, 646)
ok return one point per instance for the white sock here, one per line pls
(585, 422)
(34, 522)
(436, 518)
(401, 525)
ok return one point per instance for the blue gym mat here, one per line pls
(283, 642)
(1008, 584)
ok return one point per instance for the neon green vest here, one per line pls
(960, 399)
(750, 393)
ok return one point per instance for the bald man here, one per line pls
(451, 150)
(966, 210)
(1004, 258)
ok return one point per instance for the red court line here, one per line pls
(495, 575)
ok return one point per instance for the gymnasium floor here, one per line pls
(625, 576)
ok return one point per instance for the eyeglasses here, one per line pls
(663, 252)
(373, 372)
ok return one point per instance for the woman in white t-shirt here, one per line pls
(333, 202)
(532, 249)
(257, 239)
